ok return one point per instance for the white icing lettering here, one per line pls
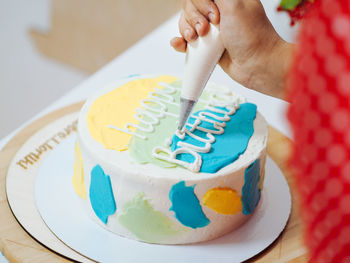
(149, 116)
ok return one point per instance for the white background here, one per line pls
(29, 81)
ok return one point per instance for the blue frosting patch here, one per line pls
(186, 206)
(101, 194)
(250, 191)
(227, 146)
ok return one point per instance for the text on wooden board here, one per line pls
(32, 157)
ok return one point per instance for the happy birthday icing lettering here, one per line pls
(149, 117)
(217, 111)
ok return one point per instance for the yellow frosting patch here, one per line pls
(223, 200)
(117, 108)
(262, 178)
(78, 176)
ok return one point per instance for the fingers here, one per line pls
(186, 30)
(179, 44)
(208, 9)
(194, 21)
(195, 18)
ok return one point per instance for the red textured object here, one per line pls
(298, 12)
(319, 91)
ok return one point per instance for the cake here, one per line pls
(138, 177)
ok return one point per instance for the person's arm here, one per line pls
(256, 56)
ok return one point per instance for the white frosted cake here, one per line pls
(139, 177)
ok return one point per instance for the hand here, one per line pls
(255, 55)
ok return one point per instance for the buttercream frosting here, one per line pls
(139, 217)
(223, 200)
(78, 173)
(128, 188)
(186, 206)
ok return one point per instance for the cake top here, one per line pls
(139, 117)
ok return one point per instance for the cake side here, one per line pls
(177, 206)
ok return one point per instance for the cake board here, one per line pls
(13, 239)
(16, 244)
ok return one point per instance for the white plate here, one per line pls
(61, 210)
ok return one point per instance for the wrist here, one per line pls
(271, 69)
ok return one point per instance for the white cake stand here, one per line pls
(60, 208)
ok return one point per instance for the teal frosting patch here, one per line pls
(101, 194)
(227, 146)
(186, 206)
(250, 191)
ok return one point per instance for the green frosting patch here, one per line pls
(146, 223)
(141, 150)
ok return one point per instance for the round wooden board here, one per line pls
(18, 246)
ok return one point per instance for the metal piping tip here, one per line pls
(186, 107)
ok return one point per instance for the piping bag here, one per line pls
(202, 56)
